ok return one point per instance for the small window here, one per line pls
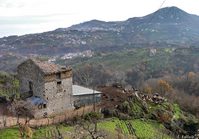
(58, 75)
(59, 87)
(59, 82)
(44, 105)
(30, 86)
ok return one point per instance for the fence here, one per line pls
(9, 121)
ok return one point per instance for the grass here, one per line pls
(148, 129)
(50, 131)
(144, 129)
(9, 133)
(38, 133)
(109, 125)
(177, 111)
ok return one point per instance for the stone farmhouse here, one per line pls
(48, 90)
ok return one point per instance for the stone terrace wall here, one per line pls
(9, 121)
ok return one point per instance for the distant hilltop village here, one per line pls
(47, 89)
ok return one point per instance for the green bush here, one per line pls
(92, 115)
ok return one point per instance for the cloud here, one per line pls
(19, 25)
(12, 3)
(38, 14)
(11, 20)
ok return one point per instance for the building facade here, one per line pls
(46, 87)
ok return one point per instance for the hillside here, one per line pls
(126, 114)
(166, 26)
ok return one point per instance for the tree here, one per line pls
(148, 89)
(134, 78)
(87, 128)
(91, 76)
(164, 86)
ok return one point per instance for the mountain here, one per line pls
(168, 26)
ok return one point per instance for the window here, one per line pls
(30, 86)
(59, 87)
(44, 105)
(58, 75)
(59, 82)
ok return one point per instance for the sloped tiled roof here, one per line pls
(48, 68)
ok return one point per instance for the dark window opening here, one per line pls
(44, 105)
(30, 88)
(59, 82)
(58, 75)
(59, 87)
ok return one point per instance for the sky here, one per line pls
(18, 17)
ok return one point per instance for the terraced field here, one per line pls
(142, 129)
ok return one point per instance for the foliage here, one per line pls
(9, 85)
(91, 75)
(164, 86)
(177, 111)
(92, 116)
(147, 89)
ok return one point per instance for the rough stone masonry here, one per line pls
(46, 87)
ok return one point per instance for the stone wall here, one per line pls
(9, 121)
(64, 75)
(57, 101)
(56, 91)
(29, 72)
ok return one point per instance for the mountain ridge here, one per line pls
(166, 26)
(164, 13)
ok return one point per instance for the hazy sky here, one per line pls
(19, 17)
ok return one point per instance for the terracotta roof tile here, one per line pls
(49, 68)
